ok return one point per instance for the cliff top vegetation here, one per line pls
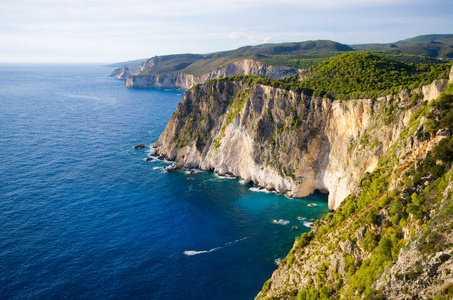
(357, 75)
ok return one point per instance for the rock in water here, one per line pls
(139, 146)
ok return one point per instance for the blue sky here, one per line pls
(119, 30)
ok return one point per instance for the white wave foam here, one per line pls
(280, 222)
(191, 171)
(308, 224)
(312, 204)
(194, 252)
(259, 190)
(226, 176)
(149, 149)
(301, 218)
(277, 261)
(162, 169)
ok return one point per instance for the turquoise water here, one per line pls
(84, 216)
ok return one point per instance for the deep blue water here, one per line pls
(84, 216)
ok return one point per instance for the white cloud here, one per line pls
(244, 37)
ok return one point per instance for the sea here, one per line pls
(84, 216)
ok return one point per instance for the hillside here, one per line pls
(270, 54)
(428, 38)
(367, 73)
(434, 45)
(361, 74)
(392, 238)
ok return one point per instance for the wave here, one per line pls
(226, 176)
(301, 218)
(312, 204)
(194, 252)
(280, 222)
(190, 171)
(260, 190)
(277, 261)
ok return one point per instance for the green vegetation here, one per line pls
(285, 54)
(428, 38)
(357, 75)
(433, 45)
(365, 73)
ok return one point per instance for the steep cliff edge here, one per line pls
(283, 140)
(182, 80)
(392, 238)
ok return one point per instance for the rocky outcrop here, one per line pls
(286, 141)
(181, 80)
(125, 72)
(174, 80)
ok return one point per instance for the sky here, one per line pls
(120, 30)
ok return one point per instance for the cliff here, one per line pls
(386, 162)
(180, 80)
(392, 238)
(286, 141)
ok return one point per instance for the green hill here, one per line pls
(432, 45)
(422, 49)
(428, 38)
(286, 54)
(365, 72)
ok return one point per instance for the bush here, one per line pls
(444, 150)
(385, 246)
(371, 218)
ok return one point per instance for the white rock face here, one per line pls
(282, 140)
(185, 81)
(125, 72)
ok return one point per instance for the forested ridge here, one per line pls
(356, 75)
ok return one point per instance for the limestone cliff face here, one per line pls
(184, 81)
(125, 72)
(174, 80)
(286, 141)
(393, 237)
